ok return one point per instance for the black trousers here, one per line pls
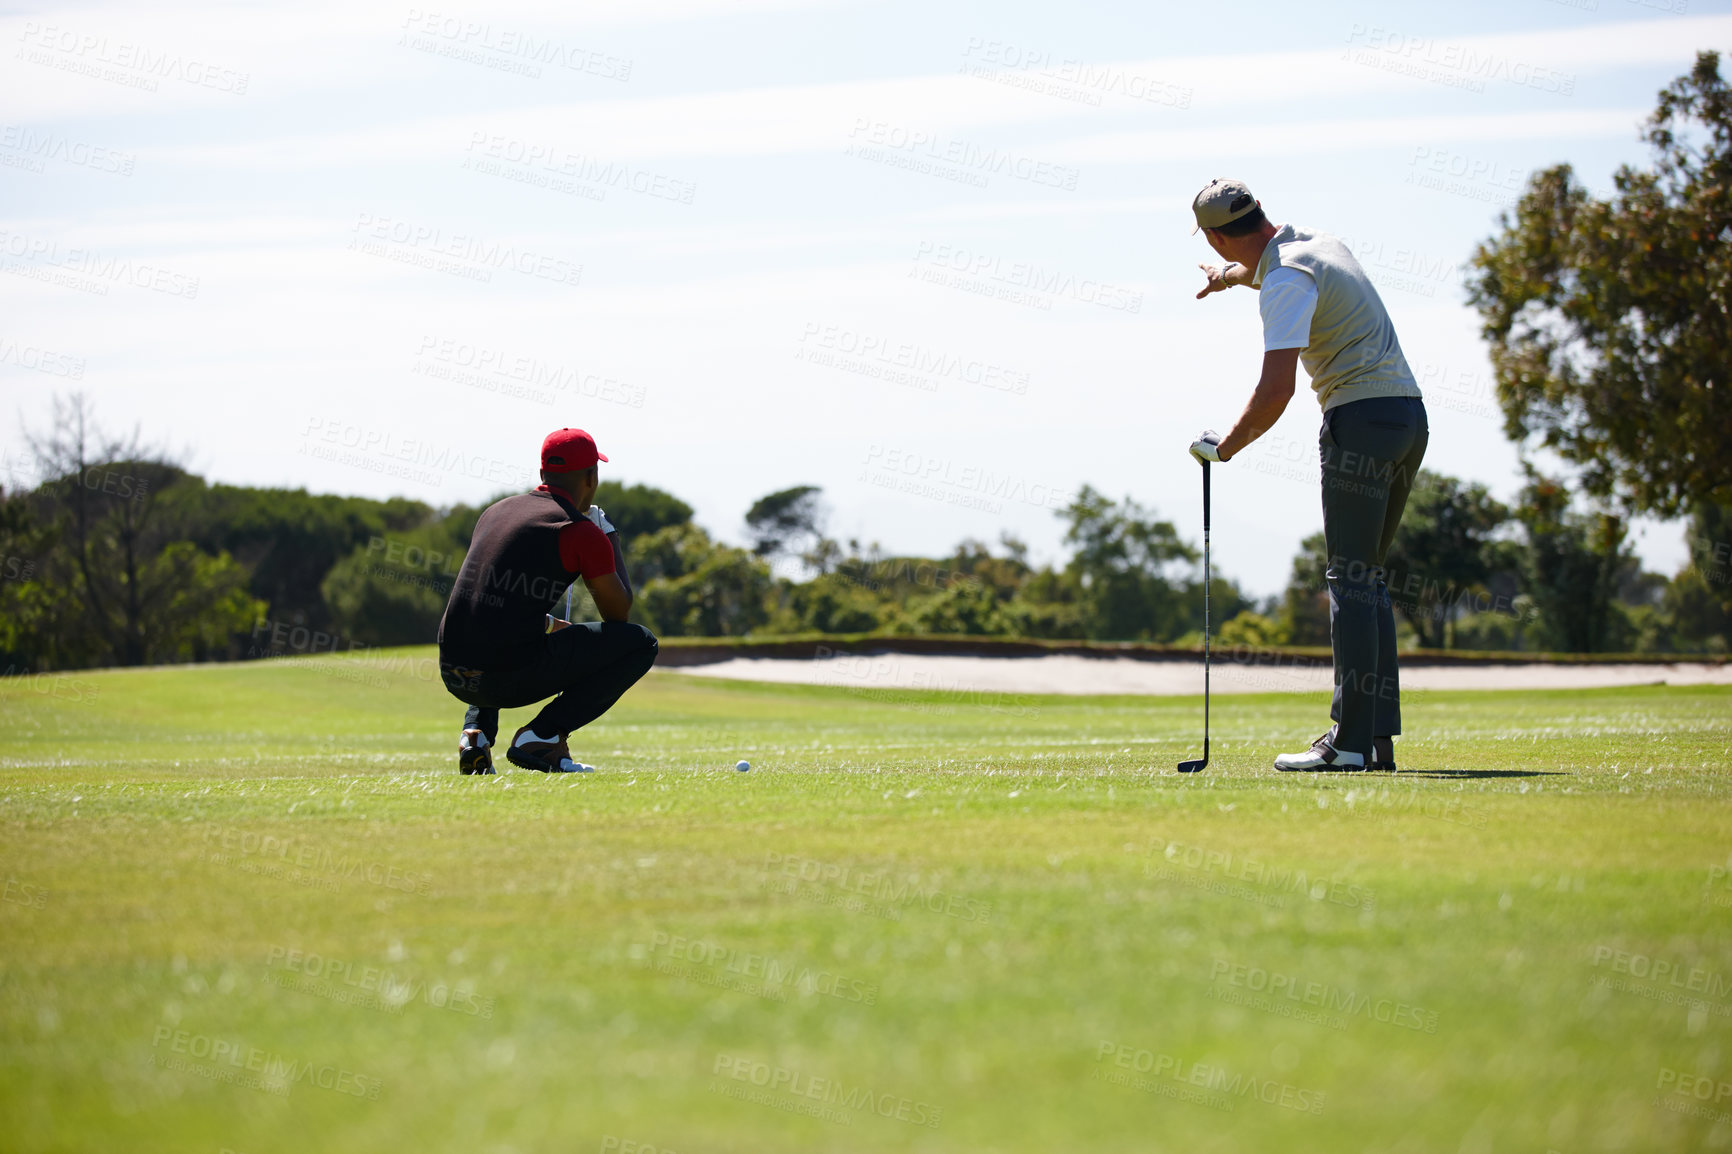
(589, 666)
(1371, 452)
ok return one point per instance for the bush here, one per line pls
(393, 589)
(830, 603)
(688, 585)
(1252, 629)
(964, 608)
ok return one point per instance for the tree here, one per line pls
(1444, 553)
(782, 522)
(830, 603)
(116, 582)
(689, 585)
(26, 631)
(639, 510)
(1699, 599)
(1305, 604)
(192, 604)
(1120, 564)
(962, 608)
(393, 590)
(1049, 604)
(1610, 320)
(1574, 565)
(288, 540)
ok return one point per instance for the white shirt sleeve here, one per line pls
(1288, 300)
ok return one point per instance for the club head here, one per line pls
(1194, 766)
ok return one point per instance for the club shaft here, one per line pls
(1208, 578)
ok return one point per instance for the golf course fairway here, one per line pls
(254, 908)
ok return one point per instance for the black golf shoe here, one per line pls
(1383, 755)
(473, 753)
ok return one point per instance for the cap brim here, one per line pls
(600, 456)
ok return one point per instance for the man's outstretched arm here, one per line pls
(1268, 402)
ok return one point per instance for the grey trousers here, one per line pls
(1371, 451)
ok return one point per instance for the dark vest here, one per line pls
(497, 616)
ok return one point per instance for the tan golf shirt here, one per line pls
(1353, 353)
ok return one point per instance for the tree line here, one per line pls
(119, 556)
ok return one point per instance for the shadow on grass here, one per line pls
(1465, 773)
(1443, 773)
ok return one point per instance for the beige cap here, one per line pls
(1221, 202)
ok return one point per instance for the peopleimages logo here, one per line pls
(945, 474)
(550, 163)
(929, 153)
(1456, 65)
(57, 685)
(43, 254)
(229, 844)
(41, 360)
(1067, 78)
(20, 893)
(383, 451)
(713, 963)
(1330, 1000)
(1665, 980)
(42, 146)
(1222, 1088)
(134, 65)
(1021, 281)
(900, 362)
(802, 1087)
(473, 257)
(495, 368)
(894, 893)
(369, 986)
(504, 48)
(1266, 883)
(223, 1060)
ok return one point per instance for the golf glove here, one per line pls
(1206, 447)
(599, 519)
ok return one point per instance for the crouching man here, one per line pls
(500, 647)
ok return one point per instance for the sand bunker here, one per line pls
(1063, 673)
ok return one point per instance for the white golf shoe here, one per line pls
(1321, 756)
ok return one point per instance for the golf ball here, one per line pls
(743, 766)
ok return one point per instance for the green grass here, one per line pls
(948, 902)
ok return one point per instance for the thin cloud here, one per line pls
(1318, 137)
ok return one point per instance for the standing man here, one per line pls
(500, 647)
(1319, 308)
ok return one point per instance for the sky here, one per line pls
(934, 258)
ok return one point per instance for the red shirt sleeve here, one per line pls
(585, 550)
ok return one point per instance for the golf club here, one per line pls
(1195, 766)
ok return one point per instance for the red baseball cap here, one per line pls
(568, 450)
